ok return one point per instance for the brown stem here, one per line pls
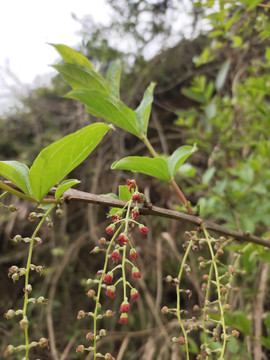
(148, 209)
(264, 5)
(181, 196)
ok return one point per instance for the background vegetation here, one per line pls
(212, 89)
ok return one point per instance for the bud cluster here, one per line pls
(16, 272)
(210, 318)
(120, 256)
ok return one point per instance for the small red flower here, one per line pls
(143, 229)
(135, 214)
(111, 292)
(90, 336)
(134, 294)
(80, 349)
(133, 254)
(81, 314)
(165, 310)
(136, 196)
(110, 229)
(123, 318)
(108, 278)
(115, 217)
(124, 307)
(115, 256)
(122, 239)
(131, 184)
(136, 273)
(99, 273)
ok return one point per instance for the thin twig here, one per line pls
(264, 5)
(149, 209)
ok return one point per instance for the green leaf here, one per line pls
(253, 4)
(58, 159)
(222, 75)
(267, 53)
(239, 321)
(124, 193)
(210, 110)
(179, 157)
(17, 173)
(237, 41)
(71, 56)
(110, 195)
(98, 103)
(64, 186)
(193, 347)
(79, 77)
(187, 170)
(265, 342)
(193, 95)
(113, 77)
(156, 167)
(115, 210)
(207, 176)
(143, 111)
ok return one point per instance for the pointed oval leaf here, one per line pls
(64, 186)
(222, 75)
(58, 159)
(193, 95)
(143, 111)
(113, 77)
(81, 77)
(156, 167)
(179, 157)
(71, 56)
(98, 103)
(17, 173)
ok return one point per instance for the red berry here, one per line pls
(122, 239)
(110, 229)
(131, 184)
(80, 349)
(165, 310)
(102, 240)
(108, 278)
(133, 254)
(136, 273)
(136, 196)
(91, 293)
(108, 356)
(115, 217)
(135, 214)
(123, 318)
(90, 336)
(81, 314)
(181, 340)
(109, 313)
(134, 294)
(115, 256)
(143, 229)
(111, 292)
(124, 307)
(235, 333)
(43, 342)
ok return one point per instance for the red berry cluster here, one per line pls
(117, 251)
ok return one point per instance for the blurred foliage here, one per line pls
(212, 90)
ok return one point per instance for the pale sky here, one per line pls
(26, 26)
